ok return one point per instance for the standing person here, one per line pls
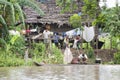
(61, 40)
(67, 55)
(66, 41)
(56, 39)
(75, 43)
(46, 36)
(78, 38)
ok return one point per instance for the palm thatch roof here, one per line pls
(52, 12)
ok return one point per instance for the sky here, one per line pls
(109, 3)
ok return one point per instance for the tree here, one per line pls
(90, 8)
(67, 5)
(113, 21)
(109, 20)
(11, 11)
(75, 21)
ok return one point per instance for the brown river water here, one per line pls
(61, 72)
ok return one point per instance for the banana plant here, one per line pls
(4, 29)
(11, 12)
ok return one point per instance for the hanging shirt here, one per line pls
(88, 33)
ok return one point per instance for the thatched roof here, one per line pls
(31, 15)
(52, 14)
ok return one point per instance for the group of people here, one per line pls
(61, 39)
(64, 42)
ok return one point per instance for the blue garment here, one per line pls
(63, 34)
(56, 38)
(79, 14)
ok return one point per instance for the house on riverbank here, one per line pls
(58, 21)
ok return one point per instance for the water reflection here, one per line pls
(71, 72)
(110, 72)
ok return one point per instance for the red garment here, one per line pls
(28, 31)
(77, 38)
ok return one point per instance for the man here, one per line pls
(83, 58)
(46, 35)
(46, 38)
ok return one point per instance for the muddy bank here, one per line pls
(106, 55)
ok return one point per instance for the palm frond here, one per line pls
(4, 2)
(20, 12)
(9, 15)
(3, 43)
(2, 21)
(9, 10)
(32, 5)
(12, 14)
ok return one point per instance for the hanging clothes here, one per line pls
(14, 32)
(88, 33)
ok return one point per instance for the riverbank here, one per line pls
(106, 55)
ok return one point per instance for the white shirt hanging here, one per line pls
(88, 33)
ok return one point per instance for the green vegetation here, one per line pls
(13, 55)
(12, 51)
(90, 8)
(40, 54)
(75, 20)
(109, 20)
(117, 58)
(67, 5)
(12, 48)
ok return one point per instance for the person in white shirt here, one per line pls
(46, 35)
(47, 39)
(83, 58)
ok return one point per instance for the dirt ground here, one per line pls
(106, 55)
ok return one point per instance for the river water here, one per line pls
(60, 72)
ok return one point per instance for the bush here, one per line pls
(39, 54)
(38, 50)
(17, 45)
(75, 21)
(9, 59)
(57, 55)
(117, 58)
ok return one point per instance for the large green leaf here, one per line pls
(4, 2)
(4, 25)
(20, 13)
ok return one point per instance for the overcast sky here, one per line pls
(109, 3)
